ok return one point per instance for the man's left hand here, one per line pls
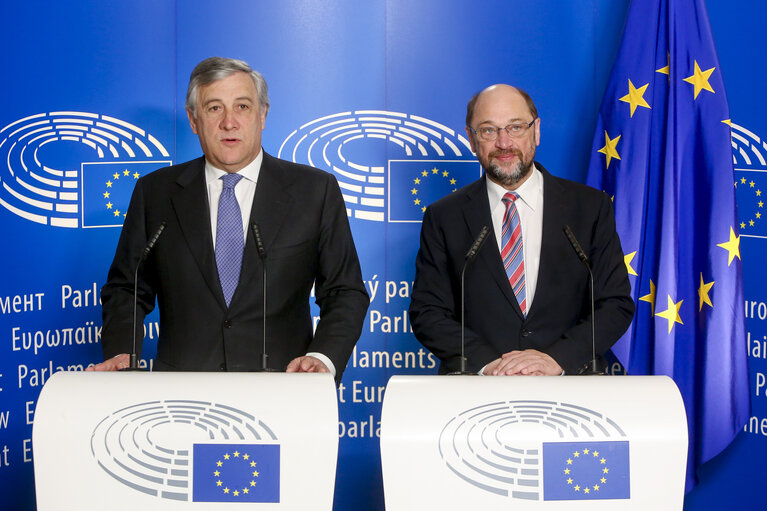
(306, 364)
(527, 362)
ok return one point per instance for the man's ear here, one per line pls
(192, 121)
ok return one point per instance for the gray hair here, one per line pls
(214, 69)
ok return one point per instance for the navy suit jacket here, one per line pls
(303, 221)
(559, 321)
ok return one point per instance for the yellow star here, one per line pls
(672, 313)
(585, 451)
(435, 170)
(666, 70)
(255, 473)
(751, 184)
(577, 488)
(216, 473)
(760, 203)
(596, 487)
(252, 463)
(425, 173)
(569, 461)
(109, 205)
(743, 180)
(445, 173)
(236, 493)
(116, 176)
(586, 489)
(606, 470)
(609, 149)
(596, 454)
(109, 184)
(758, 215)
(758, 193)
(136, 175)
(245, 490)
(567, 471)
(414, 191)
(417, 181)
(576, 454)
(117, 212)
(219, 483)
(743, 225)
(423, 209)
(751, 224)
(603, 480)
(602, 461)
(703, 293)
(106, 195)
(699, 80)
(650, 298)
(569, 480)
(246, 456)
(732, 246)
(728, 122)
(236, 454)
(226, 490)
(635, 97)
(627, 260)
(417, 202)
(252, 483)
(218, 463)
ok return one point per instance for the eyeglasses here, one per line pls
(490, 133)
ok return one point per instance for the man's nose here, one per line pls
(504, 141)
(228, 121)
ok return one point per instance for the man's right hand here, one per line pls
(113, 364)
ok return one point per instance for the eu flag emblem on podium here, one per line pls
(586, 470)
(236, 473)
(414, 184)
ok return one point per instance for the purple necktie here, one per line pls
(229, 237)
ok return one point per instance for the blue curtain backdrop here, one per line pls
(403, 72)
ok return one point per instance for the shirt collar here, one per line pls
(249, 172)
(529, 192)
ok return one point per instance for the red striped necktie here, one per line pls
(512, 253)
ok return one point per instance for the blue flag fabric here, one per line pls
(236, 473)
(586, 470)
(662, 149)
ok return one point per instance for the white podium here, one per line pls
(170, 441)
(533, 443)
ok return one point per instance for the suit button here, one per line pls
(227, 324)
(525, 332)
(222, 367)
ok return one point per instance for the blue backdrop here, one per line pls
(371, 91)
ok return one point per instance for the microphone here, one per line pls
(262, 255)
(470, 255)
(144, 253)
(594, 370)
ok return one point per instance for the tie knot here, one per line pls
(230, 180)
(510, 197)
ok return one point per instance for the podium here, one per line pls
(533, 443)
(127, 441)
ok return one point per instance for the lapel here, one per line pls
(190, 202)
(555, 209)
(271, 204)
(476, 212)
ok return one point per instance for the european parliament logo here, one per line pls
(586, 458)
(59, 168)
(750, 161)
(190, 451)
(390, 165)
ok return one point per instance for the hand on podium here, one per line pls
(113, 364)
(307, 364)
(523, 362)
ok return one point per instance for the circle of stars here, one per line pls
(581, 456)
(107, 194)
(759, 202)
(235, 456)
(425, 174)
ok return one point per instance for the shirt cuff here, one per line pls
(325, 360)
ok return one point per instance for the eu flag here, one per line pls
(414, 184)
(662, 149)
(586, 470)
(236, 473)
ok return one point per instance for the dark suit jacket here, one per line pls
(302, 218)
(558, 322)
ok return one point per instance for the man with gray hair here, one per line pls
(206, 268)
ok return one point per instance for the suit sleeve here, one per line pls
(117, 293)
(613, 308)
(435, 306)
(339, 290)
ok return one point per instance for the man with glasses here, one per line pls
(527, 302)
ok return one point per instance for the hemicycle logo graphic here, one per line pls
(748, 156)
(188, 450)
(585, 457)
(74, 169)
(389, 165)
